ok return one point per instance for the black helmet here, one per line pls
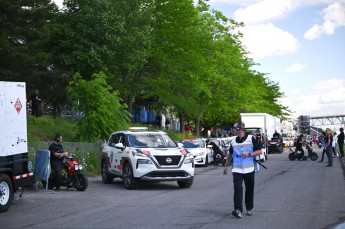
(57, 138)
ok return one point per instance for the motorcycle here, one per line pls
(219, 158)
(72, 175)
(296, 154)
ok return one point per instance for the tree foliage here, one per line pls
(174, 55)
(101, 109)
(112, 36)
(24, 32)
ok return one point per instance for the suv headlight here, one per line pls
(145, 161)
(189, 160)
(141, 152)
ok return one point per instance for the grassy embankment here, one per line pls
(42, 130)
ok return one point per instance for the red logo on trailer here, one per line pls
(18, 105)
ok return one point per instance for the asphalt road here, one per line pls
(289, 194)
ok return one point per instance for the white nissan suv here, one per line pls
(138, 155)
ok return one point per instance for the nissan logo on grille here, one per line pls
(168, 160)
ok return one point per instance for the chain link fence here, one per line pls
(88, 153)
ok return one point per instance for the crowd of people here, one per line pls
(332, 144)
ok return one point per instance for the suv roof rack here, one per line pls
(138, 128)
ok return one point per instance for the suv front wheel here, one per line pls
(185, 184)
(128, 177)
(106, 177)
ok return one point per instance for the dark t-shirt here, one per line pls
(329, 136)
(55, 148)
(341, 137)
(299, 144)
(35, 99)
(276, 135)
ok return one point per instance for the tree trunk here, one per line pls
(181, 115)
(197, 126)
(129, 103)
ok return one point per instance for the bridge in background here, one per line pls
(327, 120)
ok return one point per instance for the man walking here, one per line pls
(341, 142)
(243, 150)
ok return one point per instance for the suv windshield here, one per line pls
(150, 140)
(193, 144)
(253, 131)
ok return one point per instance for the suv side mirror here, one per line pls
(119, 146)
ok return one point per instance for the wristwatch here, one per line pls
(249, 154)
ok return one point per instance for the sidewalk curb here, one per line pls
(342, 165)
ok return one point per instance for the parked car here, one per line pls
(288, 142)
(198, 148)
(276, 145)
(139, 155)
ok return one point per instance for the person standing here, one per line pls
(56, 160)
(334, 145)
(329, 153)
(341, 142)
(35, 103)
(159, 121)
(299, 147)
(243, 150)
(323, 146)
(167, 123)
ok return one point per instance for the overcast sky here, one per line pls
(300, 44)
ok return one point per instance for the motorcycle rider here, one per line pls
(276, 135)
(299, 146)
(56, 160)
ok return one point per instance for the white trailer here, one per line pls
(264, 125)
(14, 166)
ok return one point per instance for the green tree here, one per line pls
(103, 112)
(174, 70)
(112, 36)
(24, 49)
